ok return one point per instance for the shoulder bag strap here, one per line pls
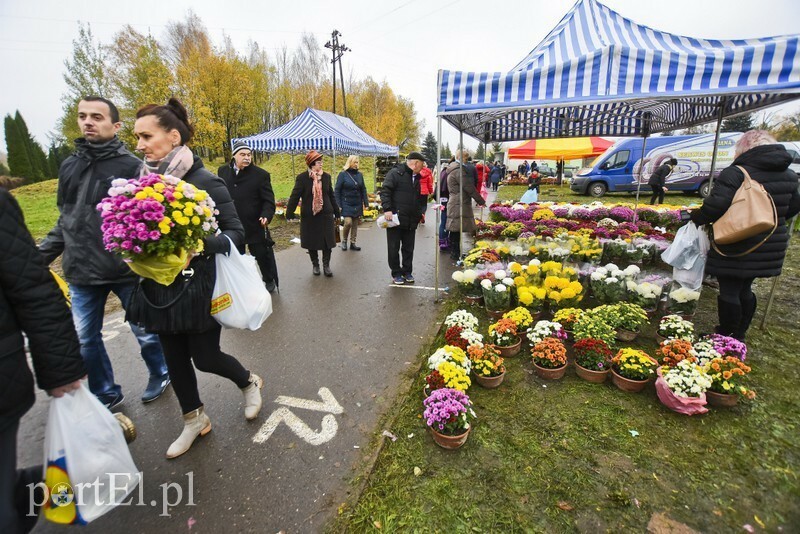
(748, 183)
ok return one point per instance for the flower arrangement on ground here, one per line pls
(634, 364)
(705, 351)
(728, 346)
(521, 317)
(608, 286)
(155, 222)
(686, 379)
(462, 318)
(623, 316)
(448, 411)
(673, 351)
(562, 292)
(466, 281)
(726, 375)
(593, 354)
(646, 293)
(497, 291)
(434, 380)
(549, 353)
(503, 333)
(486, 361)
(457, 336)
(532, 297)
(451, 354)
(676, 327)
(683, 300)
(591, 325)
(568, 317)
(545, 329)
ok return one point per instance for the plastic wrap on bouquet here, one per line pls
(682, 300)
(682, 405)
(497, 298)
(161, 269)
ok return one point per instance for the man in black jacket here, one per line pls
(658, 180)
(400, 199)
(92, 272)
(251, 190)
(30, 302)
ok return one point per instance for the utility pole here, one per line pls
(337, 49)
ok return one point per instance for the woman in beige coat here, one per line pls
(461, 218)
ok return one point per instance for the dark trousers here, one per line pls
(455, 245)
(401, 240)
(736, 305)
(15, 498)
(494, 186)
(265, 257)
(180, 350)
(326, 256)
(443, 224)
(658, 193)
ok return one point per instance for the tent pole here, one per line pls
(461, 196)
(639, 181)
(438, 187)
(375, 175)
(716, 142)
(293, 173)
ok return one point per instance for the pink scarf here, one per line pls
(177, 163)
(316, 176)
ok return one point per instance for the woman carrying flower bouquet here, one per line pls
(318, 212)
(180, 312)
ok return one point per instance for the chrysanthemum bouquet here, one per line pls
(486, 361)
(705, 351)
(466, 281)
(497, 291)
(545, 329)
(647, 292)
(567, 317)
(503, 333)
(673, 351)
(521, 317)
(728, 346)
(462, 338)
(683, 300)
(592, 354)
(623, 315)
(686, 379)
(549, 353)
(726, 375)
(448, 411)
(155, 222)
(449, 353)
(591, 325)
(634, 364)
(462, 318)
(676, 327)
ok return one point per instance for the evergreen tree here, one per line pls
(739, 123)
(480, 154)
(56, 155)
(446, 152)
(429, 149)
(36, 155)
(19, 162)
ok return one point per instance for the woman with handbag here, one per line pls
(181, 312)
(317, 214)
(351, 196)
(737, 264)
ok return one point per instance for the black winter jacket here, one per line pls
(30, 302)
(316, 231)
(83, 181)
(251, 191)
(400, 195)
(659, 176)
(768, 165)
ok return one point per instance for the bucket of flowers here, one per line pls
(683, 300)
(726, 375)
(521, 317)
(503, 335)
(468, 285)
(155, 223)
(562, 292)
(545, 329)
(487, 365)
(646, 292)
(682, 387)
(448, 415)
(625, 318)
(705, 351)
(549, 358)
(453, 366)
(674, 327)
(497, 293)
(608, 286)
(568, 317)
(533, 298)
(592, 360)
(632, 369)
(591, 325)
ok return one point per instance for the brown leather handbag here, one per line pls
(752, 212)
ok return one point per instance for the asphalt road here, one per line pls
(353, 334)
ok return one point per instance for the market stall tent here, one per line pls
(566, 148)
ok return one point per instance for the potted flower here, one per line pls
(545, 329)
(568, 317)
(462, 338)
(549, 358)
(591, 325)
(592, 360)
(446, 359)
(646, 293)
(496, 294)
(683, 300)
(448, 413)
(462, 318)
(705, 352)
(606, 287)
(433, 381)
(673, 351)
(466, 281)
(674, 327)
(562, 292)
(726, 375)
(503, 335)
(632, 369)
(521, 317)
(624, 317)
(682, 387)
(728, 346)
(487, 365)
(533, 298)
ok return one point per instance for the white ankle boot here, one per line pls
(252, 397)
(195, 423)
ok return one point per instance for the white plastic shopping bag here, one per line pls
(88, 467)
(685, 248)
(383, 223)
(692, 277)
(530, 196)
(240, 299)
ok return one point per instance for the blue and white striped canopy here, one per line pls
(599, 73)
(321, 131)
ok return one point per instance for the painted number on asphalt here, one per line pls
(297, 425)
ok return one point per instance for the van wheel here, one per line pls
(705, 189)
(597, 189)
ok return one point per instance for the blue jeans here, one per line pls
(88, 306)
(442, 224)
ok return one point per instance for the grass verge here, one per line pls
(564, 194)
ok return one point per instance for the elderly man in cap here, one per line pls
(251, 190)
(400, 199)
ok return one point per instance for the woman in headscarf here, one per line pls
(318, 212)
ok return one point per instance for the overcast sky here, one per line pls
(404, 42)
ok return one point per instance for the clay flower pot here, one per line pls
(659, 338)
(550, 374)
(626, 335)
(426, 391)
(595, 377)
(490, 382)
(474, 300)
(496, 314)
(449, 442)
(626, 384)
(722, 400)
(510, 350)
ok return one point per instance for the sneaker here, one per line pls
(113, 403)
(155, 387)
(408, 278)
(398, 280)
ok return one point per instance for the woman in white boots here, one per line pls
(180, 312)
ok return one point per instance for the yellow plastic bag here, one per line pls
(63, 286)
(162, 269)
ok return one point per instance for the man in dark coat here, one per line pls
(92, 272)
(399, 197)
(658, 180)
(30, 302)
(737, 265)
(496, 175)
(251, 189)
